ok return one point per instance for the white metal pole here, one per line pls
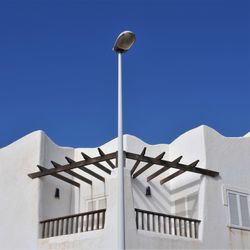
(121, 210)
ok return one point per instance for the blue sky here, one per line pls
(190, 66)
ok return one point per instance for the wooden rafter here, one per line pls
(148, 165)
(179, 166)
(96, 161)
(179, 172)
(69, 160)
(162, 170)
(138, 162)
(72, 173)
(86, 170)
(99, 165)
(74, 165)
(110, 163)
(60, 177)
(92, 173)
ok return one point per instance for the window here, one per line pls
(238, 204)
(96, 204)
(187, 206)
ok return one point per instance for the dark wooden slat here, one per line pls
(148, 222)
(180, 166)
(196, 230)
(78, 176)
(82, 221)
(48, 230)
(185, 228)
(72, 225)
(57, 227)
(170, 177)
(103, 218)
(87, 225)
(142, 220)
(62, 227)
(77, 224)
(163, 169)
(175, 229)
(93, 221)
(99, 165)
(67, 226)
(147, 166)
(179, 172)
(164, 225)
(190, 229)
(69, 160)
(153, 222)
(52, 228)
(137, 162)
(170, 225)
(72, 166)
(159, 224)
(180, 227)
(98, 220)
(90, 172)
(136, 219)
(43, 229)
(108, 160)
(158, 172)
(58, 176)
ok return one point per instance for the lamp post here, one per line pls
(123, 43)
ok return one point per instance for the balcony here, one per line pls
(77, 223)
(167, 224)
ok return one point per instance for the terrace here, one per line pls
(95, 220)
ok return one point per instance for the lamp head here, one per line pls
(124, 42)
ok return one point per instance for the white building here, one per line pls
(202, 205)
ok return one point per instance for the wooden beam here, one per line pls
(90, 172)
(100, 166)
(170, 177)
(177, 160)
(108, 161)
(69, 160)
(137, 162)
(148, 165)
(169, 164)
(179, 172)
(74, 165)
(58, 176)
(74, 174)
(163, 169)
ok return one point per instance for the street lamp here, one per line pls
(122, 44)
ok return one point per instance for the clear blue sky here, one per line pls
(190, 66)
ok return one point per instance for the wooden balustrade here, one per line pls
(71, 224)
(167, 224)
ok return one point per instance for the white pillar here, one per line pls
(121, 210)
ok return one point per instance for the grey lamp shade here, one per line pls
(124, 41)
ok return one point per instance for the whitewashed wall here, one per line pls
(19, 210)
(24, 202)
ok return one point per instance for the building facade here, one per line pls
(172, 201)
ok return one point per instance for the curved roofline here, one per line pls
(133, 137)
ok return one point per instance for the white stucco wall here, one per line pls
(19, 210)
(25, 201)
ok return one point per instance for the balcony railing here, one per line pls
(166, 224)
(71, 224)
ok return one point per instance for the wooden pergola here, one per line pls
(87, 162)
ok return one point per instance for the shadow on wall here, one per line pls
(158, 201)
(182, 201)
